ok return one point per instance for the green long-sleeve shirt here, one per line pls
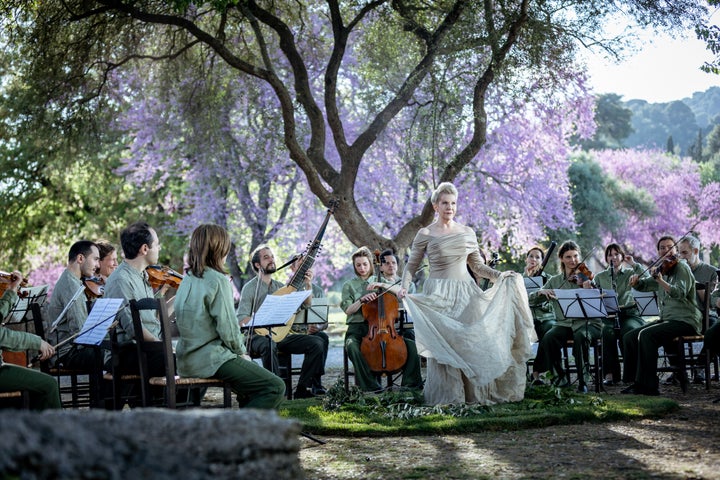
(352, 291)
(13, 339)
(679, 304)
(622, 283)
(209, 330)
(74, 318)
(127, 283)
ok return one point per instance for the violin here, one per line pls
(383, 348)
(582, 274)
(666, 266)
(159, 276)
(94, 287)
(8, 278)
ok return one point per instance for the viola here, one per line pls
(159, 276)
(8, 278)
(94, 287)
(667, 265)
(383, 348)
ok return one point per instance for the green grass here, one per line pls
(377, 415)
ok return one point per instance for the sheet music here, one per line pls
(647, 303)
(276, 310)
(581, 303)
(533, 284)
(101, 316)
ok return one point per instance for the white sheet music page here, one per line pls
(277, 310)
(101, 316)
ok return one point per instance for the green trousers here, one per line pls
(44, 390)
(641, 350)
(629, 319)
(254, 386)
(366, 379)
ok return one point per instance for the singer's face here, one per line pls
(615, 258)
(267, 261)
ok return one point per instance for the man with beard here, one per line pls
(252, 296)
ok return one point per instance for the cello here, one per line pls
(298, 279)
(383, 348)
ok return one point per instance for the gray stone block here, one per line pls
(149, 443)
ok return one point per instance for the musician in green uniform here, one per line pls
(679, 316)
(43, 389)
(543, 313)
(252, 296)
(580, 330)
(617, 277)
(355, 293)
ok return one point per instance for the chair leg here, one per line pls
(346, 372)
(227, 396)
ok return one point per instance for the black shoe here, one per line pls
(671, 380)
(631, 390)
(318, 390)
(699, 379)
(537, 382)
(582, 389)
(303, 393)
(609, 383)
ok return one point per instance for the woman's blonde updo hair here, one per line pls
(443, 188)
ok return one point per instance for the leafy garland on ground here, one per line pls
(408, 403)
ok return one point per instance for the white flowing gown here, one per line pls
(476, 342)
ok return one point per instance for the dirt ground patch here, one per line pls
(682, 445)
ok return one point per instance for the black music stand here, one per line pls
(317, 313)
(533, 284)
(18, 315)
(647, 303)
(587, 304)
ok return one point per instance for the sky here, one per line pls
(663, 69)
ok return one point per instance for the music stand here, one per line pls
(26, 297)
(99, 320)
(581, 303)
(609, 299)
(533, 284)
(277, 310)
(647, 303)
(317, 313)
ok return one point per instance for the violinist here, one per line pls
(355, 293)
(679, 316)
(141, 248)
(82, 262)
(689, 250)
(580, 330)
(543, 313)
(617, 277)
(108, 259)
(262, 261)
(44, 390)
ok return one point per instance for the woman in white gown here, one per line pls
(476, 342)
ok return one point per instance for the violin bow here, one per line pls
(655, 262)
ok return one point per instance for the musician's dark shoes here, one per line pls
(537, 382)
(303, 393)
(636, 389)
(609, 382)
(318, 390)
(582, 389)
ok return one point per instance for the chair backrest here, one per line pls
(143, 347)
(704, 306)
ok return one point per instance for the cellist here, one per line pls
(354, 294)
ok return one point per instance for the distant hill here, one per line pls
(654, 123)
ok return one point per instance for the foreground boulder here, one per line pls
(149, 443)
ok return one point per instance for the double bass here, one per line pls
(298, 279)
(383, 348)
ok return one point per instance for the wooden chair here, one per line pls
(11, 399)
(594, 363)
(171, 383)
(125, 386)
(686, 355)
(84, 388)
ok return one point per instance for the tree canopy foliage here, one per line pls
(219, 105)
